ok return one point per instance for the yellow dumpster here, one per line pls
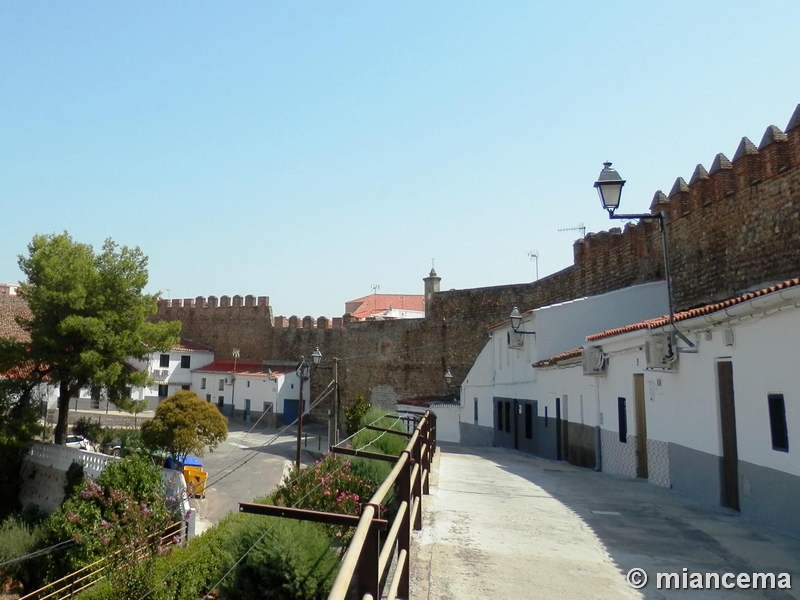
(195, 481)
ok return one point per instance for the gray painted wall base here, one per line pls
(765, 495)
(770, 496)
(581, 445)
(695, 474)
(476, 435)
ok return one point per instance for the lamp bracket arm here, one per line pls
(645, 216)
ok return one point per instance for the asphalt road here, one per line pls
(231, 481)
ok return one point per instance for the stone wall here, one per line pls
(733, 226)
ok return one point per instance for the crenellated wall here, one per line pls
(733, 226)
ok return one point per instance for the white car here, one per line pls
(79, 442)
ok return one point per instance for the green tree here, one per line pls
(19, 413)
(184, 424)
(88, 315)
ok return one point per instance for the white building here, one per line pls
(246, 389)
(171, 371)
(715, 421)
(502, 375)
(720, 422)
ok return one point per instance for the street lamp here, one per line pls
(448, 377)
(609, 187)
(316, 356)
(235, 354)
(516, 321)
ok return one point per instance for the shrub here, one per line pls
(289, 560)
(89, 429)
(176, 574)
(119, 511)
(74, 479)
(17, 538)
(328, 485)
(184, 424)
(378, 441)
(355, 414)
(292, 560)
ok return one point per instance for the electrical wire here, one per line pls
(59, 546)
(263, 535)
(289, 482)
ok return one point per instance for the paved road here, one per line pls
(258, 477)
(503, 525)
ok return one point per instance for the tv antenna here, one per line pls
(375, 287)
(534, 255)
(581, 228)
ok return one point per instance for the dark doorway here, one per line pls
(559, 452)
(641, 426)
(516, 424)
(730, 453)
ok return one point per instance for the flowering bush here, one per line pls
(119, 511)
(329, 485)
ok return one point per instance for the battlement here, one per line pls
(777, 154)
(214, 302)
(307, 322)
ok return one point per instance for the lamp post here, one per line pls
(303, 370)
(235, 354)
(609, 187)
(333, 412)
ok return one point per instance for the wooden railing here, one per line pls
(369, 554)
(74, 583)
(372, 556)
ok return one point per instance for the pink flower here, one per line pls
(105, 524)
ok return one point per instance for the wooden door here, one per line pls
(641, 426)
(730, 453)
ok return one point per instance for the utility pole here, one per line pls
(333, 438)
(302, 369)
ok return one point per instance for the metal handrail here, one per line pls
(364, 553)
(98, 567)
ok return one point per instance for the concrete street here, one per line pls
(499, 524)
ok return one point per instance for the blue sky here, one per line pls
(306, 151)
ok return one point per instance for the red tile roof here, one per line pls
(255, 368)
(378, 303)
(190, 346)
(558, 358)
(12, 307)
(22, 371)
(696, 312)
